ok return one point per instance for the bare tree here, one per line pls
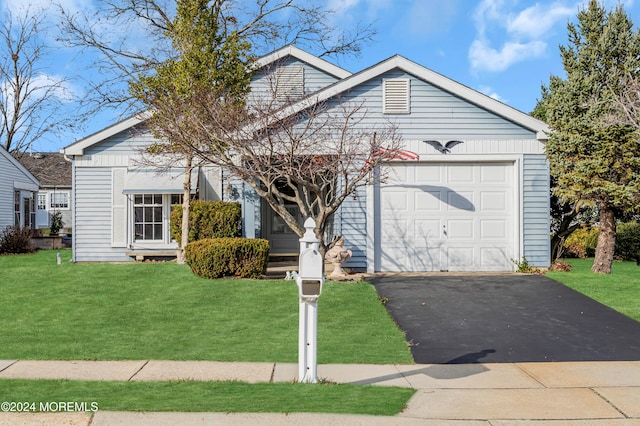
(30, 100)
(130, 37)
(310, 153)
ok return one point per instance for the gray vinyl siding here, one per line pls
(351, 223)
(434, 113)
(536, 219)
(314, 78)
(7, 173)
(92, 232)
(128, 142)
(12, 177)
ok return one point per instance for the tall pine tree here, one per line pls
(592, 158)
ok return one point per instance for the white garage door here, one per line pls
(447, 217)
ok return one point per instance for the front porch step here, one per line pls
(141, 255)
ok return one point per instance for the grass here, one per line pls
(162, 311)
(619, 290)
(211, 396)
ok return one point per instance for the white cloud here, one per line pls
(506, 36)
(536, 21)
(485, 58)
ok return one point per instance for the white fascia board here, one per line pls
(290, 50)
(78, 147)
(445, 83)
(34, 181)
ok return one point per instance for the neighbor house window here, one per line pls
(148, 221)
(16, 207)
(59, 200)
(395, 95)
(42, 201)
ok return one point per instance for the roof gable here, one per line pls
(399, 62)
(18, 166)
(78, 147)
(302, 56)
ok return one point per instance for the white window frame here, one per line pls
(58, 206)
(42, 201)
(166, 240)
(396, 96)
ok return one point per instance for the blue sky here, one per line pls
(504, 48)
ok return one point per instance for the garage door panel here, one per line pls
(428, 176)
(427, 233)
(493, 229)
(448, 216)
(494, 258)
(459, 258)
(425, 200)
(426, 260)
(460, 200)
(459, 174)
(493, 174)
(395, 232)
(460, 229)
(395, 202)
(493, 201)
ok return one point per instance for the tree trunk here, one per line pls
(606, 240)
(186, 207)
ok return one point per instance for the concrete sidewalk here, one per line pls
(591, 393)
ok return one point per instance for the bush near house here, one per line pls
(208, 219)
(219, 257)
(628, 241)
(581, 243)
(15, 239)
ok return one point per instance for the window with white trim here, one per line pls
(396, 95)
(148, 217)
(59, 200)
(42, 201)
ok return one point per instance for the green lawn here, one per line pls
(210, 396)
(162, 311)
(619, 290)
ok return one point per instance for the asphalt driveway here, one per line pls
(504, 318)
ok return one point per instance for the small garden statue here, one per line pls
(337, 255)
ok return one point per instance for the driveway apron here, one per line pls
(504, 318)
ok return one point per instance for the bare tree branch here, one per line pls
(30, 99)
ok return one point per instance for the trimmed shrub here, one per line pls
(220, 257)
(208, 219)
(15, 239)
(581, 243)
(628, 241)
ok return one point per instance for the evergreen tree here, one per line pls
(594, 159)
(209, 60)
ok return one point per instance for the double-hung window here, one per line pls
(148, 217)
(59, 200)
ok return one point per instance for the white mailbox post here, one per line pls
(310, 280)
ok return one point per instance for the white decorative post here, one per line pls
(310, 280)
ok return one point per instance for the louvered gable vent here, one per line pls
(395, 96)
(290, 83)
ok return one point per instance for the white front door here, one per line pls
(447, 217)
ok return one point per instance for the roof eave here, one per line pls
(78, 147)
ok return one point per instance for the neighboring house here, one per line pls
(476, 208)
(54, 195)
(18, 189)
